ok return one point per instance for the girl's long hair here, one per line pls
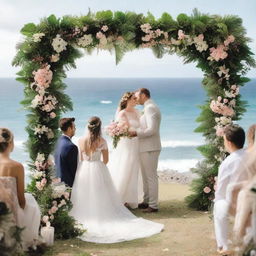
(94, 128)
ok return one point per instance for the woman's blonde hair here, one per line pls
(94, 128)
(124, 100)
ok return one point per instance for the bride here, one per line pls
(96, 204)
(125, 163)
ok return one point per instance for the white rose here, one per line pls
(37, 37)
(85, 40)
(59, 44)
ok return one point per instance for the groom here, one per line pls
(66, 153)
(150, 147)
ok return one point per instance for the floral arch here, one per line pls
(217, 44)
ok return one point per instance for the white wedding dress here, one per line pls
(28, 218)
(124, 164)
(97, 206)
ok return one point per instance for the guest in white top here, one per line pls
(234, 138)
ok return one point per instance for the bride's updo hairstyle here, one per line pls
(6, 138)
(94, 127)
(124, 100)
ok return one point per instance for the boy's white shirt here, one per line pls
(232, 170)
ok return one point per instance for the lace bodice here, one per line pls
(8, 194)
(133, 119)
(96, 155)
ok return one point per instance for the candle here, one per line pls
(47, 234)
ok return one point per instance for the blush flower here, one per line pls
(218, 53)
(43, 76)
(207, 190)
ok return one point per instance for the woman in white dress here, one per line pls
(96, 204)
(24, 206)
(125, 164)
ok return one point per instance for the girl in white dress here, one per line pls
(125, 164)
(96, 204)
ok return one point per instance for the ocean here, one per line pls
(177, 98)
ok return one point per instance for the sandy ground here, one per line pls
(187, 232)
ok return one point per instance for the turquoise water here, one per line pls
(177, 98)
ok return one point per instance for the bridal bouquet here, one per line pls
(116, 130)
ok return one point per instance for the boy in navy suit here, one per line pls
(66, 153)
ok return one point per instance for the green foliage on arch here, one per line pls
(218, 45)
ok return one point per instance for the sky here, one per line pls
(139, 63)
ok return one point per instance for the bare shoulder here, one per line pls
(17, 165)
(103, 143)
(122, 112)
(81, 140)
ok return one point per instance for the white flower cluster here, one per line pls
(59, 44)
(45, 103)
(42, 129)
(85, 40)
(103, 40)
(151, 34)
(223, 71)
(200, 44)
(59, 190)
(37, 37)
(233, 92)
(60, 197)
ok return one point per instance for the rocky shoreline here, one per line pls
(172, 176)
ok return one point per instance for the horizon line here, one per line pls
(153, 77)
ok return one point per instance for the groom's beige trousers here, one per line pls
(148, 163)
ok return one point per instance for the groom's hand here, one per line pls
(132, 134)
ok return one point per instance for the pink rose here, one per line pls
(66, 195)
(219, 98)
(181, 35)
(54, 209)
(233, 87)
(225, 100)
(43, 181)
(218, 53)
(43, 76)
(52, 115)
(207, 190)
(230, 39)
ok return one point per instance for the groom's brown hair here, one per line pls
(65, 123)
(145, 91)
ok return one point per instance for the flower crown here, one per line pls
(126, 96)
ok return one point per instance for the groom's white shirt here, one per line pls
(148, 133)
